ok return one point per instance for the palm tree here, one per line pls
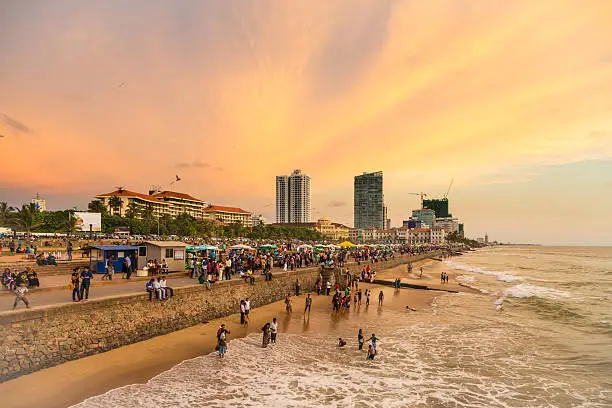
(96, 206)
(116, 204)
(5, 213)
(25, 218)
(70, 225)
(133, 210)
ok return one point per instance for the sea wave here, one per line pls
(422, 365)
(501, 276)
(526, 290)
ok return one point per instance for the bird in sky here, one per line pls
(177, 177)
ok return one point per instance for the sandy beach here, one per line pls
(77, 380)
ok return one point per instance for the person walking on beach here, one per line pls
(327, 288)
(360, 339)
(222, 333)
(247, 306)
(21, 295)
(86, 277)
(367, 296)
(308, 303)
(266, 335)
(359, 297)
(297, 287)
(288, 306)
(273, 330)
(381, 296)
(242, 311)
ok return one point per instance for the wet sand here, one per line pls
(74, 381)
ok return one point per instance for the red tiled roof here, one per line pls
(128, 193)
(420, 230)
(174, 194)
(221, 208)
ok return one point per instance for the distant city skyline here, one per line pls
(512, 100)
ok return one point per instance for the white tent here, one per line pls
(241, 246)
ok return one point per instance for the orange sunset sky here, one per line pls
(511, 99)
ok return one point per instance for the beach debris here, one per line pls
(409, 308)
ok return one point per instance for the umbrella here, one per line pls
(346, 244)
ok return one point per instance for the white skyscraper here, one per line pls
(293, 198)
(282, 199)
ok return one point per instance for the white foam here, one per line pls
(525, 290)
(501, 276)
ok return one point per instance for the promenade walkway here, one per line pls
(61, 294)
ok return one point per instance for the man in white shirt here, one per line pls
(327, 288)
(228, 268)
(158, 290)
(247, 306)
(273, 330)
(165, 288)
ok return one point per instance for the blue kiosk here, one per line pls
(100, 253)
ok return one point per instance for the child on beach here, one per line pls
(373, 339)
(371, 353)
(246, 321)
(341, 343)
(21, 294)
(381, 296)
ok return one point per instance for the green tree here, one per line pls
(133, 210)
(25, 219)
(97, 206)
(70, 224)
(116, 204)
(5, 214)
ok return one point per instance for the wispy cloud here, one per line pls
(16, 126)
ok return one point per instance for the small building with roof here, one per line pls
(172, 251)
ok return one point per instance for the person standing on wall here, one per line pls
(86, 277)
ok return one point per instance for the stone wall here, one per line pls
(31, 340)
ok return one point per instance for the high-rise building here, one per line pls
(282, 199)
(293, 198)
(39, 203)
(426, 215)
(369, 201)
(440, 206)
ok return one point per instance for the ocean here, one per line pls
(538, 334)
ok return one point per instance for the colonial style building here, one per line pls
(172, 203)
(229, 215)
(330, 230)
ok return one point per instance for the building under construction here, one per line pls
(440, 206)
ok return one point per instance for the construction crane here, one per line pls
(449, 187)
(420, 194)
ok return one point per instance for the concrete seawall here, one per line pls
(31, 340)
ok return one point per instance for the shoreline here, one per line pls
(74, 381)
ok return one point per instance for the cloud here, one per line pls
(200, 164)
(14, 124)
(196, 163)
(337, 203)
